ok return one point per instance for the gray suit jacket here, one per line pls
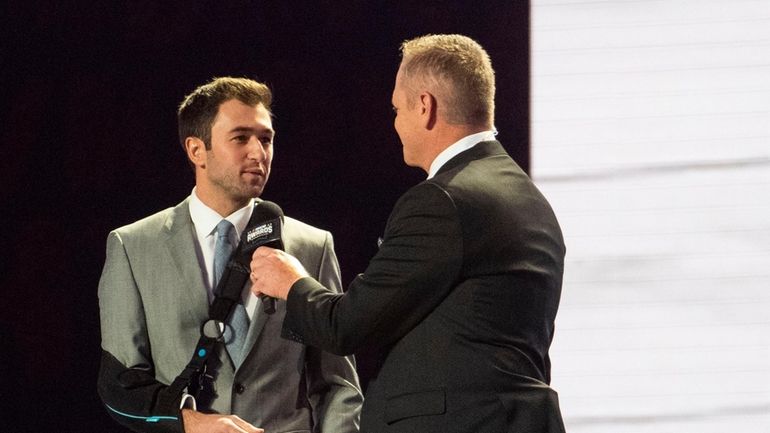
(152, 301)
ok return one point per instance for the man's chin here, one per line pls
(256, 191)
(409, 162)
(250, 193)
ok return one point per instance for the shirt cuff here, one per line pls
(187, 402)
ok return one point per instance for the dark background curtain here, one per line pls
(88, 126)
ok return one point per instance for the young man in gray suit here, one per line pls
(159, 278)
(463, 292)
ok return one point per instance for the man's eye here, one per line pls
(266, 140)
(241, 138)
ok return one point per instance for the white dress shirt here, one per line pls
(205, 221)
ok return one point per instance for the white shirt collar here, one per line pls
(206, 219)
(459, 146)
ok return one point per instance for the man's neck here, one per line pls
(457, 148)
(445, 135)
(222, 205)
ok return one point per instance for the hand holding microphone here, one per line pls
(272, 271)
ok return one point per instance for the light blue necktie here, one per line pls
(238, 323)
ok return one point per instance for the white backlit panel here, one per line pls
(651, 139)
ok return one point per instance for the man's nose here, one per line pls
(256, 150)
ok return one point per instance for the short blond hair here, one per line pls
(457, 71)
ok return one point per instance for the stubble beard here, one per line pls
(237, 189)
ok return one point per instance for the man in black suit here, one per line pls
(463, 292)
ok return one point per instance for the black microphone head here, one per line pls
(266, 228)
(267, 210)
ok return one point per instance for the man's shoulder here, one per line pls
(295, 227)
(151, 225)
(303, 238)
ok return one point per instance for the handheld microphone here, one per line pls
(266, 231)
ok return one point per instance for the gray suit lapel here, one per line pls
(180, 246)
(255, 329)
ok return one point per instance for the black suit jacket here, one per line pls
(462, 297)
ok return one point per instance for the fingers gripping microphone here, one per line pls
(266, 231)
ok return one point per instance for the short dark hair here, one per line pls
(199, 109)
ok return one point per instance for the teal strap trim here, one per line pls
(145, 418)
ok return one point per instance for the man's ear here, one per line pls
(196, 151)
(428, 110)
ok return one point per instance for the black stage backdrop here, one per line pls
(89, 94)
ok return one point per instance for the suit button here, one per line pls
(239, 388)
